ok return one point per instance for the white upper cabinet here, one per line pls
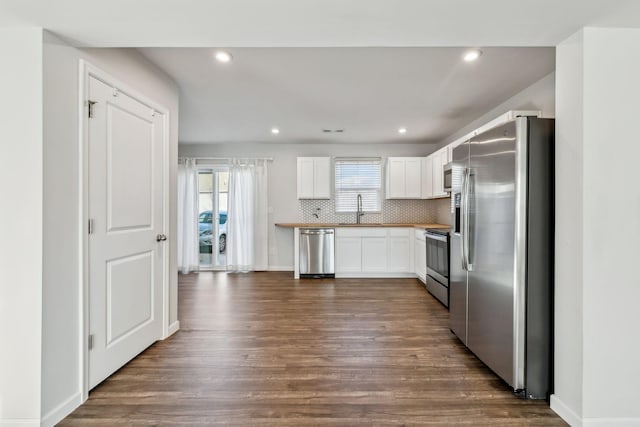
(314, 177)
(440, 159)
(404, 177)
(413, 169)
(437, 173)
(432, 173)
(395, 178)
(427, 177)
(322, 177)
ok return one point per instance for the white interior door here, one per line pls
(125, 173)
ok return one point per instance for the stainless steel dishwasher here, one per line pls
(317, 252)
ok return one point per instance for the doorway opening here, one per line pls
(213, 191)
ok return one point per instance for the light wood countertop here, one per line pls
(338, 225)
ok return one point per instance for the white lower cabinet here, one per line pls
(420, 253)
(374, 252)
(348, 254)
(399, 250)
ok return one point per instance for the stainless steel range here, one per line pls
(437, 282)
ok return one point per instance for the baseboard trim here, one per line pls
(375, 275)
(566, 413)
(65, 408)
(280, 268)
(20, 422)
(173, 328)
(618, 422)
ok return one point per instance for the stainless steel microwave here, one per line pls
(447, 177)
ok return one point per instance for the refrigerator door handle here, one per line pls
(470, 188)
(463, 220)
(466, 229)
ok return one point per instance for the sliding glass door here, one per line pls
(213, 188)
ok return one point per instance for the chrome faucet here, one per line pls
(359, 213)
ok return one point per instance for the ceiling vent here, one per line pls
(332, 130)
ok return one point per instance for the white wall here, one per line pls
(611, 288)
(21, 218)
(282, 179)
(61, 285)
(540, 96)
(61, 282)
(569, 225)
(597, 285)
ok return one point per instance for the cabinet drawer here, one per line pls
(399, 231)
(361, 232)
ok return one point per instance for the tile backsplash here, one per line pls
(393, 211)
(443, 210)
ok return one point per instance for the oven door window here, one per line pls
(437, 256)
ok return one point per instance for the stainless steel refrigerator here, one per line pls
(501, 271)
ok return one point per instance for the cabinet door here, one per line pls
(322, 178)
(413, 178)
(427, 177)
(437, 174)
(395, 178)
(374, 254)
(421, 259)
(444, 159)
(348, 254)
(399, 254)
(306, 177)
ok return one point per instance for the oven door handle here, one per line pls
(434, 236)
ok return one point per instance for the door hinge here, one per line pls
(90, 105)
(90, 227)
(90, 342)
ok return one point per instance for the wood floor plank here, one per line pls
(262, 349)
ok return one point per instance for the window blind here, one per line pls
(358, 176)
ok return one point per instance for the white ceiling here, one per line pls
(289, 23)
(368, 91)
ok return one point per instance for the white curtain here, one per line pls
(188, 259)
(247, 223)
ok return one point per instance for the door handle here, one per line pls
(467, 223)
(463, 221)
(161, 238)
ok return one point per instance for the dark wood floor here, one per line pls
(264, 349)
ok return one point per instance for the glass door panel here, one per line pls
(213, 190)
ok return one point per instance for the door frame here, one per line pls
(87, 70)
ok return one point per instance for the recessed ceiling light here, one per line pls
(402, 130)
(472, 55)
(222, 56)
(275, 131)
